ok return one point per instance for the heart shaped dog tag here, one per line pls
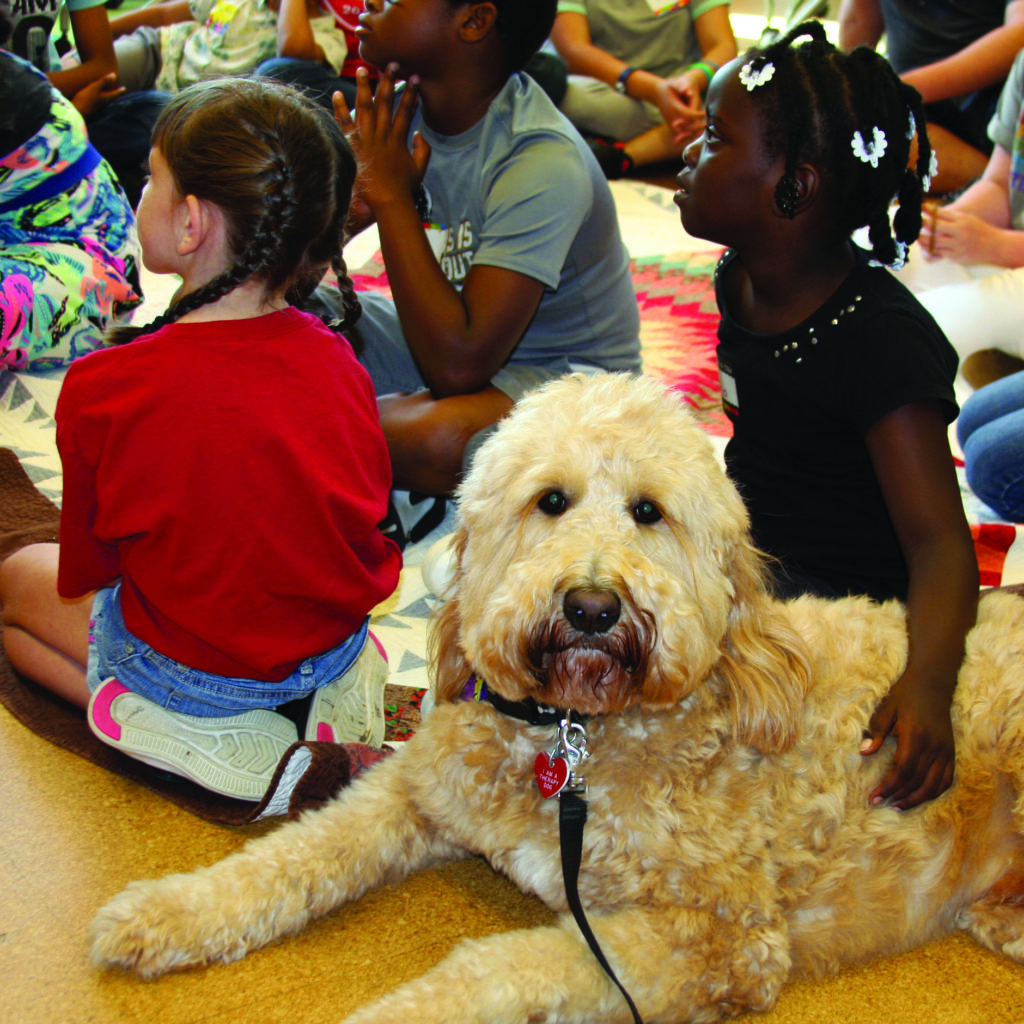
(552, 774)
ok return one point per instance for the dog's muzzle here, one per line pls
(590, 655)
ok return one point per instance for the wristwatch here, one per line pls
(620, 85)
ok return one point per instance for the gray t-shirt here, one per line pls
(1006, 129)
(650, 34)
(520, 190)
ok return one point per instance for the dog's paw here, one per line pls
(158, 926)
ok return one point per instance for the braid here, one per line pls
(349, 298)
(848, 114)
(280, 172)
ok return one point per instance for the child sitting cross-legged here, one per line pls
(224, 470)
(507, 267)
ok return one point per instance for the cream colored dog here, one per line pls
(604, 565)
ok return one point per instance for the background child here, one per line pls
(512, 270)
(120, 124)
(219, 554)
(638, 74)
(838, 384)
(175, 43)
(971, 277)
(68, 248)
(305, 56)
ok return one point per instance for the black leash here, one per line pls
(572, 808)
(572, 816)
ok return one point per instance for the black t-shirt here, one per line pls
(800, 403)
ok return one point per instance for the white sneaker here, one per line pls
(236, 755)
(351, 709)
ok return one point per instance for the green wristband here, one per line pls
(708, 67)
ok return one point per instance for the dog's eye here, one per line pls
(646, 512)
(554, 503)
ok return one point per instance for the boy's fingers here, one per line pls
(364, 99)
(341, 114)
(407, 107)
(384, 99)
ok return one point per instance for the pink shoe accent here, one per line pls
(324, 733)
(100, 709)
(380, 646)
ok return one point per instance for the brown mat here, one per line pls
(27, 517)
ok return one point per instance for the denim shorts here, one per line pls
(113, 651)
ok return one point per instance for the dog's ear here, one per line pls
(765, 666)
(449, 669)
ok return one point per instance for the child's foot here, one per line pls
(412, 516)
(438, 568)
(351, 709)
(612, 158)
(235, 756)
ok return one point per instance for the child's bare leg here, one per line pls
(45, 637)
(654, 146)
(427, 437)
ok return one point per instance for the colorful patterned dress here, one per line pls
(68, 247)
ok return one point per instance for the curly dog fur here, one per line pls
(730, 843)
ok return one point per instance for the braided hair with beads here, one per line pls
(280, 171)
(851, 116)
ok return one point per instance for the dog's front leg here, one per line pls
(275, 885)
(677, 965)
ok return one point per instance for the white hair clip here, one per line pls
(870, 152)
(911, 128)
(897, 264)
(752, 78)
(933, 169)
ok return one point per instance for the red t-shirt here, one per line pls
(346, 16)
(233, 474)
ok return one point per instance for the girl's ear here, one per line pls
(796, 192)
(197, 222)
(478, 21)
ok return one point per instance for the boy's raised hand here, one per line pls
(378, 133)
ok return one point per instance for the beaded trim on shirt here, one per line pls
(793, 347)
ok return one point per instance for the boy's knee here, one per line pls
(444, 446)
(429, 440)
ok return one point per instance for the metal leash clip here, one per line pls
(572, 747)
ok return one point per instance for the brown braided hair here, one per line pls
(280, 171)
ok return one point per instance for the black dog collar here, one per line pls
(528, 710)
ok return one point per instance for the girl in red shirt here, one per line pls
(224, 473)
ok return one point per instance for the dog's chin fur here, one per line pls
(593, 675)
(730, 843)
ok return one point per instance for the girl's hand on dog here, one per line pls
(922, 769)
(378, 132)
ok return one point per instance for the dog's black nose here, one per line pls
(591, 611)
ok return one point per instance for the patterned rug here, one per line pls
(679, 320)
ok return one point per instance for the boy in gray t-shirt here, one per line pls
(512, 270)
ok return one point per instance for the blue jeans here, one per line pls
(115, 652)
(991, 434)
